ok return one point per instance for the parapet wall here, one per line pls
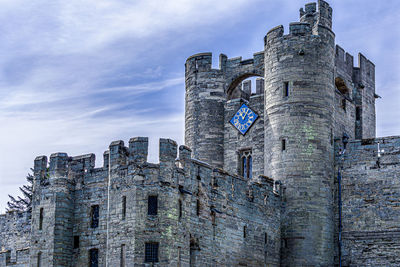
(204, 214)
(360, 83)
(15, 229)
(371, 202)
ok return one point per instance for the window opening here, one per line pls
(76, 241)
(94, 257)
(123, 207)
(358, 113)
(41, 219)
(286, 89)
(123, 255)
(94, 214)
(198, 207)
(179, 256)
(39, 259)
(151, 252)
(180, 208)
(283, 144)
(246, 164)
(244, 231)
(152, 205)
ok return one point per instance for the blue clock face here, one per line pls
(243, 119)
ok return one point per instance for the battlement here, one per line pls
(312, 22)
(322, 16)
(203, 62)
(361, 74)
(172, 162)
(15, 238)
(298, 29)
(374, 153)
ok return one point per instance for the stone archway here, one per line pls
(232, 91)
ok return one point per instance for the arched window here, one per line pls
(246, 163)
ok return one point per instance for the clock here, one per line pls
(243, 119)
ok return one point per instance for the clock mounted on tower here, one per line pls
(243, 119)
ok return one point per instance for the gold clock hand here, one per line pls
(245, 114)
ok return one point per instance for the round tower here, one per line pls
(204, 109)
(299, 95)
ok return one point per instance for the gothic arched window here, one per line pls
(246, 163)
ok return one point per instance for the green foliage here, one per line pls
(24, 202)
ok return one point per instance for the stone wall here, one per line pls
(207, 91)
(235, 142)
(15, 229)
(206, 216)
(359, 82)
(371, 203)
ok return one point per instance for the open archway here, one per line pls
(234, 86)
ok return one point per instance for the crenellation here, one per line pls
(58, 165)
(106, 159)
(83, 163)
(300, 28)
(223, 61)
(118, 154)
(138, 149)
(40, 164)
(274, 33)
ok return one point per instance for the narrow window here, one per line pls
(180, 208)
(39, 259)
(41, 219)
(123, 207)
(286, 89)
(151, 252)
(250, 167)
(283, 144)
(358, 114)
(198, 207)
(94, 215)
(179, 256)
(344, 104)
(94, 257)
(244, 231)
(285, 243)
(123, 255)
(76, 241)
(152, 205)
(246, 164)
(265, 238)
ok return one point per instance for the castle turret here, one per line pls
(299, 94)
(204, 111)
(52, 213)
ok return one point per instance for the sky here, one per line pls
(78, 74)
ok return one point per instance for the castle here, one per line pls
(291, 175)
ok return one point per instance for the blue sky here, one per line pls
(76, 75)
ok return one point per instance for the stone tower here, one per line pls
(204, 111)
(299, 107)
(52, 213)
